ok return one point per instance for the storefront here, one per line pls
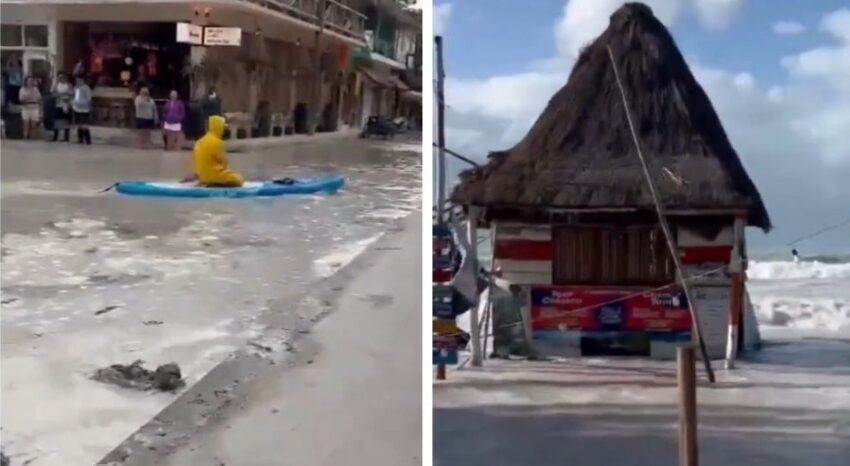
(120, 58)
(25, 51)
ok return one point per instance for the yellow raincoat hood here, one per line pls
(216, 126)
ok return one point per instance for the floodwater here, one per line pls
(91, 279)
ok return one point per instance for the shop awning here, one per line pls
(413, 96)
(384, 79)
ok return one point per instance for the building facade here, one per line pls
(276, 66)
(391, 62)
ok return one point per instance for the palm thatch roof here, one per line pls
(580, 153)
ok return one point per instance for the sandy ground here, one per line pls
(788, 406)
(90, 279)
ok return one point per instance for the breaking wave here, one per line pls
(797, 270)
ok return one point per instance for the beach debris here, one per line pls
(105, 310)
(166, 377)
(4, 460)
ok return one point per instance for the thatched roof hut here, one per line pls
(580, 153)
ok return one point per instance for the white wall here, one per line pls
(36, 14)
(405, 44)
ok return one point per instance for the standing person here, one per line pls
(172, 121)
(14, 80)
(79, 70)
(82, 108)
(64, 93)
(146, 116)
(211, 105)
(30, 98)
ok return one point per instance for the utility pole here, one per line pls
(316, 95)
(441, 132)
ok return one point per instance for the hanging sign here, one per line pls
(226, 36)
(190, 34)
(568, 308)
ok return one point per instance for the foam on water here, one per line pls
(776, 270)
(403, 147)
(810, 296)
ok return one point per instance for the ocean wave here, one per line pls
(777, 270)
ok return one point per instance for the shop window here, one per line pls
(36, 35)
(12, 35)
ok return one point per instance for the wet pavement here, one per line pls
(91, 279)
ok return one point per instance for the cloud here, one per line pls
(582, 20)
(788, 28)
(717, 14)
(793, 134)
(442, 13)
(829, 63)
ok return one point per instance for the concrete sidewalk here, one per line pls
(349, 392)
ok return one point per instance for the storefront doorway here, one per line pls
(120, 58)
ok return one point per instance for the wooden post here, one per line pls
(525, 311)
(441, 371)
(686, 374)
(735, 293)
(472, 238)
(318, 79)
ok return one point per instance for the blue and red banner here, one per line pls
(575, 308)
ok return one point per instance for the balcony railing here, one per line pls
(344, 20)
(339, 18)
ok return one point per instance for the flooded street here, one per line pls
(91, 279)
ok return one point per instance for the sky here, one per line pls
(777, 72)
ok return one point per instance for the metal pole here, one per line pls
(441, 132)
(686, 375)
(662, 219)
(316, 95)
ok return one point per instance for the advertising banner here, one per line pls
(573, 308)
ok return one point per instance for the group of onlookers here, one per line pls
(73, 106)
(72, 101)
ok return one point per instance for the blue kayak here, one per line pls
(328, 184)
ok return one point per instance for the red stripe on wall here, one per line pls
(520, 249)
(703, 254)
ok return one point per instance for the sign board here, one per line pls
(443, 305)
(190, 34)
(441, 261)
(444, 356)
(713, 312)
(227, 36)
(569, 308)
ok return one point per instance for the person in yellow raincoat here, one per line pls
(210, 163)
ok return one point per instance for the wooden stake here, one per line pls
(736, 293)
(686, 373)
